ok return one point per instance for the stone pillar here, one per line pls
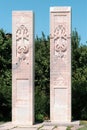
(60, 64)
(22, 68)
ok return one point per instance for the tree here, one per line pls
(5, 76)
(79, 78)
(42, 77)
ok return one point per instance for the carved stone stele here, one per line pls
(22, 68)
(60, 64)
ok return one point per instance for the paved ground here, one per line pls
(41, 126)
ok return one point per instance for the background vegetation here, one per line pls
(5, 76)
(42, 77)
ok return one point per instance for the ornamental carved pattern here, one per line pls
(22, 42)
(60, 40)
(59, 81)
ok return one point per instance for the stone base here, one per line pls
(12, 126)
(18, 124)
(47, 125)
(73, 123)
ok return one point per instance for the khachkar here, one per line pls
(22, 68)
(60, 64)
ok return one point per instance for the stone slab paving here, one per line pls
(77, 127)
(6, 126)
(10, 126)
(28, 128)
(60, 128)
(40, 126)
(47, 128)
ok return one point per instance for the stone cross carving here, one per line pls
(22, 68)
(22, 40)
(60, 40)
(60, 64)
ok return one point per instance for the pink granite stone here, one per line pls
(22, 68)
(60, 64)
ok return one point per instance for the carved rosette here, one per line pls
(60, 40)
(59, 81)
(22, 42)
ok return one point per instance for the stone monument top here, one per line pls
(60, 8)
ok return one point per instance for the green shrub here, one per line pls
(39, 118)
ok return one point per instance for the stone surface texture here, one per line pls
(60, 64)
(22, 67)
(40, 126)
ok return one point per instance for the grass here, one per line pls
(69, 127)
(83, 122)
(83, 128)
(40, 127)
(2, 122)
(54, 127)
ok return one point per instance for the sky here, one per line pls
(41, 9)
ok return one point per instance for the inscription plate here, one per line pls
(22, 113)
(60, 107)
(62, 97)
(22, 89)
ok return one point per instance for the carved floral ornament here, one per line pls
(22, 41)
(60, 40)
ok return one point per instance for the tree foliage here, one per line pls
(5, 76)
(42, 77)
(79, 78)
